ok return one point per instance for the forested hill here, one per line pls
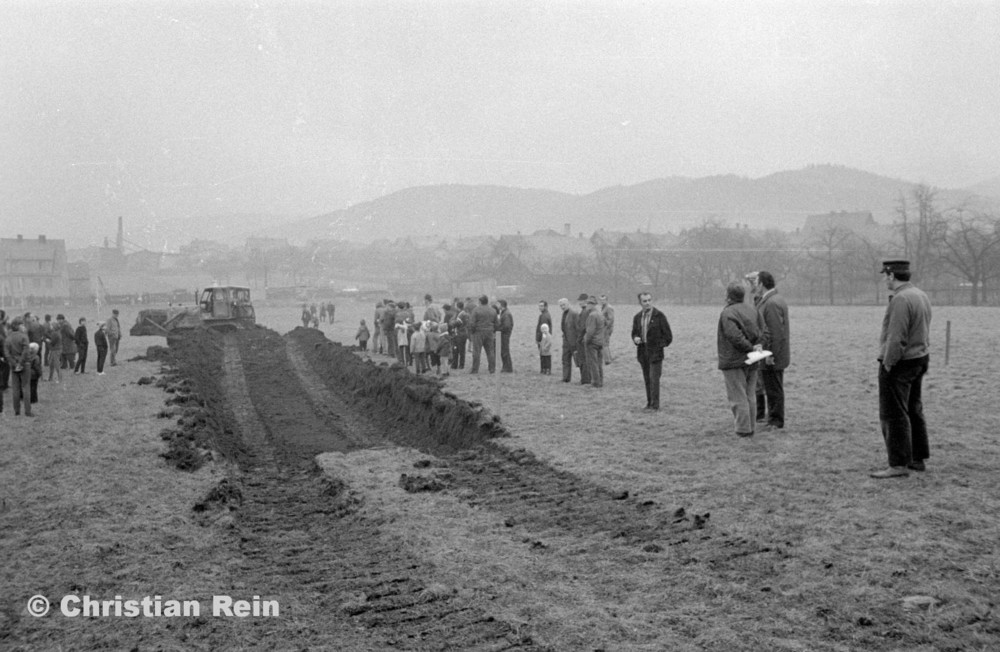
(781, 200)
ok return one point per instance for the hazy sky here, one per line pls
(154, 110)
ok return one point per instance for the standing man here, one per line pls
(506, 328)
(755, 292)
(431, 312)
(650, 334)
(82, 344)
(593, 340)
(609, 327)
(774, 310)
(460, 325)
(741, 330)
(569, 338)
(482, 325)
(18, 355)
(114, 331)
(581, 331)
(903, 357)
(543, 318)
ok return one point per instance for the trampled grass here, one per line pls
(91, 507)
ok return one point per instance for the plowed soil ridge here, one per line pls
(527, 491)
(299, 536)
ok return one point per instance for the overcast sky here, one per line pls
(173, 109)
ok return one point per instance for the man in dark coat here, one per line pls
(543, 318)
(774, 310)
(651, 334)
(581, 332)
(506, 326)
(570, 335)
(482, 326)
(81, 346)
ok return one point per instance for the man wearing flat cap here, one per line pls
(581, 331)
(903, 359)
(593, 340)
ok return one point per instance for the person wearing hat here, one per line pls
(593, 338)
(581, 331)
(903, 361)
(567, 325)
(740, 331)
(114, 330)
(651, 334)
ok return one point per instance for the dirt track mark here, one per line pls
(527, 491)
(234, 386)
(360, 432)
(302, 540)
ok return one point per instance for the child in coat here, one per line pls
(363, 334)
(443, 349)
(418, 348)
(545, 350)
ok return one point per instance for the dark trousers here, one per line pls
(20, 384)
(595, 364)
(102, 355)
(546, 365)
(34, 387)
(761, 401)
(363, 344)
(482, 341)
(774, 391)
(567, 362)
(81, 360)
(458, 352)
(390, 341)
(506, 363)
(581, 361)
(651, 372)
(901, 411)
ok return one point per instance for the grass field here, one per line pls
(88, 504)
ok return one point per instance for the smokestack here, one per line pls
(121, 234)
(566, 230)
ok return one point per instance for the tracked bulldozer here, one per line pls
(226, 308)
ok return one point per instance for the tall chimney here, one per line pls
(121, 234)
(566, 230)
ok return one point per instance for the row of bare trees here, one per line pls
(952, 251)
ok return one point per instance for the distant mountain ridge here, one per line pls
(781, 200)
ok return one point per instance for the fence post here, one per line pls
(947, 342)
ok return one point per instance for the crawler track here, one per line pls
(298, 533)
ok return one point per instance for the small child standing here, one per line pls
(418, 348)
(545, 351)
(443, 349)
(363, 334)
(433, 339)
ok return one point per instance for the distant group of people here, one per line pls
(753, 347)
(314, 314)
(28, 347)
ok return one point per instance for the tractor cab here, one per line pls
(227, 304)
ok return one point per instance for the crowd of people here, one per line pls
(313, 314)
(29, 348)
(753, 348)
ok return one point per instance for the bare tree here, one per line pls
(970, 247)
(922, 230)
(831, 247)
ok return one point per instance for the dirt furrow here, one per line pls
(295, 526)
